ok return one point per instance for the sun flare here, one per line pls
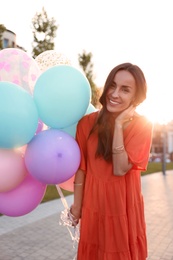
(158, 108)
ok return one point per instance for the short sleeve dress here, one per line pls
(112, 224)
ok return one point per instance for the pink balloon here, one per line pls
(12, 169)
(52, 156)
(23, 199)
(22, 149)
(18, 67)
(68, 185)
(40, 126)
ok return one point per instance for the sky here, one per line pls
(114, 31)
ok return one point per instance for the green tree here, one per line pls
(85, 62)
(44, 32)
(2, 30)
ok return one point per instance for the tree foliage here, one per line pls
(44, 32)
(85, 62)
(2, 30)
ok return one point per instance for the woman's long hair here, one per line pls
(104, 124)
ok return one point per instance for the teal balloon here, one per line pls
(62, 94)
(71, 130)
(18, 116)
(90, 109)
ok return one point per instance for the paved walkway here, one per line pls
(38, 235)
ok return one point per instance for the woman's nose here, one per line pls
(115, 93)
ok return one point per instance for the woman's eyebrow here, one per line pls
(126, 86)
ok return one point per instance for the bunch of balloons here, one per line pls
(39, 111)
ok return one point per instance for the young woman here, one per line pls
(115, 145)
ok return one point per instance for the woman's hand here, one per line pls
(74, 215)
(76, 212)
(125, 116)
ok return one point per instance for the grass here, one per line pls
(52, 193)
(154, 167)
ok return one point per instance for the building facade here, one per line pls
(9, 39)
(162, 142)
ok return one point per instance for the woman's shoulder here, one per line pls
(142, 118)
(89, 118)
(86, 123)
(142, 121)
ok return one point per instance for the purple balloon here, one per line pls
(52, 156)
(23, 199)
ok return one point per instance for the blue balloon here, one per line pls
(18, 116)
(62, 95)
(71, 130)
(90, 109)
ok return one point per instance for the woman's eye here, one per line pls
(112, 87)
(125, 89)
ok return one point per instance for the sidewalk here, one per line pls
(38, 235)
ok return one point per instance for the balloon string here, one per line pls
(75, 236)
(64, 202)
(67, 209)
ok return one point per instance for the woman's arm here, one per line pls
(79, 184)
(120, 161)
(121, 164)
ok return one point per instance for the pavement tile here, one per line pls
(38, 235)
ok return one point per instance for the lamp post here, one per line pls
(164, 150)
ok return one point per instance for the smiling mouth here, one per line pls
(114, 102)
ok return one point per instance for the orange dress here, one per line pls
(112, 224)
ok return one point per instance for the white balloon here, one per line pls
(50, 58)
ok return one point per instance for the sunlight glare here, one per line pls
(156, 109)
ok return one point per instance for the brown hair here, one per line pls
(104, 124)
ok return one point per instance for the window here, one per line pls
(5, 43)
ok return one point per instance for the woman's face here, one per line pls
(122, 92)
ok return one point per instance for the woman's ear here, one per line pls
(134, 103)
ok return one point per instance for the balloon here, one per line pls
(68, 185)
(52, 156)
(62, 95)
(18, 116)
(50, 58)
(90, 109)
(23, 199)
(12, 169)
(21, 149)
(40, 126)
(71, 130)
(16, 66)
